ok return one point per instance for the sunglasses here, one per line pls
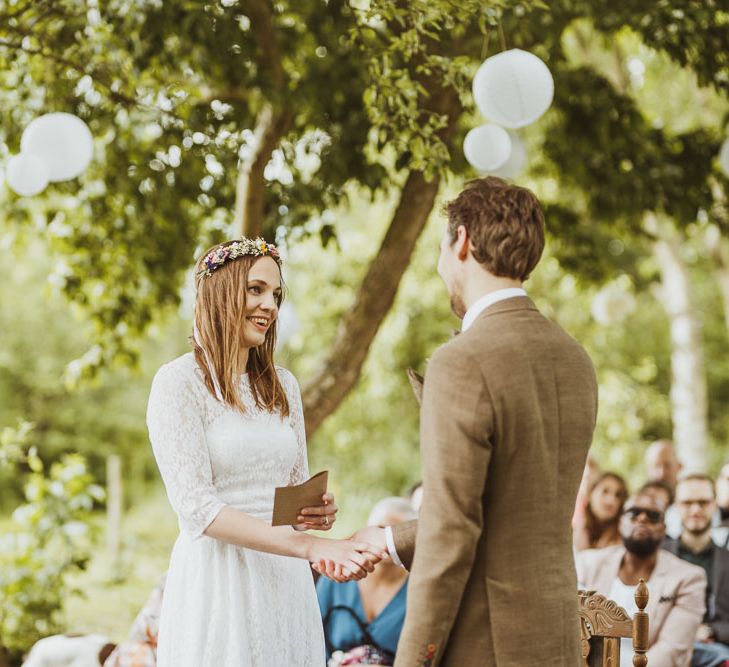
(653, 516)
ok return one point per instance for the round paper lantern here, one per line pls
(517, 161)
(513, 88)
(724, 157)
(487, 147)
(63, 141)
(27, 174)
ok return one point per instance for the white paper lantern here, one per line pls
(27, 174)
(487, 147)
(63, 141)
(517, 161)
(513, 88)
(724, 157)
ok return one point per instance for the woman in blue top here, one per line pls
(372, 610)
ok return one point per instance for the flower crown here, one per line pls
(235, 249)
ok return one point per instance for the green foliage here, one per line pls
(49, 538)
(172, 92)
(41, 335)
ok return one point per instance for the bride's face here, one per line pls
(263, 294)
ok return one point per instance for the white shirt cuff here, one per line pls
(391, 547)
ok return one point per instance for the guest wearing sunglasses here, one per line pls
(696, 502)
(676, 602)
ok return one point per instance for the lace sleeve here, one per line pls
(300, 471)
(174, 421)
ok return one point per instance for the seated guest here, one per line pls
(139, 649)
(371, 611)
(661, 491)
(590, 474)
(696, 503)
(415, 495)
(676, 603)
(662, 465)
(602, 513)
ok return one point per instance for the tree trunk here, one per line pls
(250, 212)
(719, 253)
(342, 366)
(272, 123)
(341, 369)
(688, 382)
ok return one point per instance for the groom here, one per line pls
(507, 417)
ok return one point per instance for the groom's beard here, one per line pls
(457, 306)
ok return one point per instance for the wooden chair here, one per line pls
(603, 623)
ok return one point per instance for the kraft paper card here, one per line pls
(290, 500)
(416, 382)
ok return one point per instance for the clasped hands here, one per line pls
(370, 546)
(341, 560)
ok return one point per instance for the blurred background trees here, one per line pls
(335, 128)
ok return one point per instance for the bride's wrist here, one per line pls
(304, 545)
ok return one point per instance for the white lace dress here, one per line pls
(226, 606)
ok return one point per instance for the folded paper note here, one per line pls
(290, 500)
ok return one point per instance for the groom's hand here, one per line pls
(321, 517)
(372, 535)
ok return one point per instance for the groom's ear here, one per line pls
(416, 382)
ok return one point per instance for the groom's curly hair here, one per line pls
(505, 225)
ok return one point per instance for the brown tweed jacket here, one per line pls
(507, 417)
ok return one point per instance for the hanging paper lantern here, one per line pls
(27, 174)
(513, 88)
(724, 157)
(517, 161)
(63, 141)
(487, 147)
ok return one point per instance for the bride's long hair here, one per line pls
(220, 308)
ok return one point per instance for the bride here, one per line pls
(226, 428)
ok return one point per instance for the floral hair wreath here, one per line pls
(235, 249)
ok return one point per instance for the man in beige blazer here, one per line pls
(507, 417)
(676, 588)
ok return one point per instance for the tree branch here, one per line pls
(48, 55)
(272, 124)
(342, 367)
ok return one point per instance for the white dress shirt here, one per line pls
(481, 304)
(475, 309)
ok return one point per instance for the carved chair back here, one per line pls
(603, 623)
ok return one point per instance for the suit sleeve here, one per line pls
(456, 441)
(404, 536)
(720, 624)
(674, 644)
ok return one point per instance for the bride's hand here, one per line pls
(321, 517)
(344, 559)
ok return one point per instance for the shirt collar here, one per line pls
(478, 306)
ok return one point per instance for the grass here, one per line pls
(112, 593)
(114, 590)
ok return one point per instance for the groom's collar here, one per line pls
(481, 304)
